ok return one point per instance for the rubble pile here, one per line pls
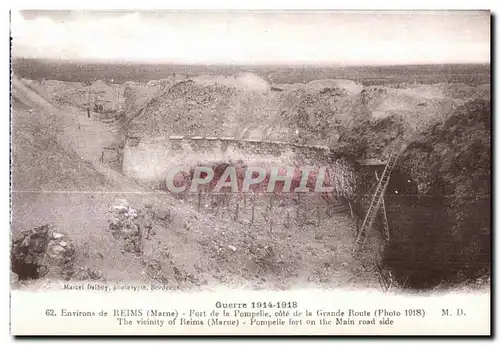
(41, 251)
(136, 95)
(130, 225)
(161, 267)
(313, 115)
(135, 227)
(85, 273)
(307, 115)
(373, 96)
(189, 108)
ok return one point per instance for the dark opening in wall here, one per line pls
(28, 252)
(25, 270)
(400, 184)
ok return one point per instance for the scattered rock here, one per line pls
(233, 248)
(56, 235)
(154, 270)
(94, 274)
(84, 273)
(162, 214)
(39, 251)
(58, 249)
(132, 213)
(119, 206)
(115, 224)
(28, 251)
(148, 230)
(129, 228)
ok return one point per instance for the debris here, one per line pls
(132, 226)
(162, 214)
(39, 251)
(115, 224)
(233, 248)
(129, 228)
(132, 213)
(119, 206)
(84, 273)
(56, 235)
(58, 249)
(94, 274)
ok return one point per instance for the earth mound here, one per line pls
(241, 81)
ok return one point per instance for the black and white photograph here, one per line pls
(182, 151)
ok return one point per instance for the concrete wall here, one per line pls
(150, 159)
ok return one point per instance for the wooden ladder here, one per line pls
(385, 222)
(377, 199)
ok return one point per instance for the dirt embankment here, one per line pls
(321, 112)
(245, 107)
(318, 113)
(37, 150)
(56, 149)
(58, 180)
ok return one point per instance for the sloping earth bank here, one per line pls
(57, 182)
(187, 248)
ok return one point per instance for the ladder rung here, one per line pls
(377, 201)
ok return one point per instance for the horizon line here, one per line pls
(291, 64)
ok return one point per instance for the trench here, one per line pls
(424, 251)
(419, 256)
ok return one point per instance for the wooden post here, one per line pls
(271, 199)
(236, 212)
(102, 156)
(141, 239)
(298, 207)
(244, 201)
(228, 204)
(199, 200)
(305, 210)
(350, 208)
(253, 208)
(212, 202)
(287, 218)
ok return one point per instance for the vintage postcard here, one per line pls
(284, 172)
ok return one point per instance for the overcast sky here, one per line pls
(344, 38)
